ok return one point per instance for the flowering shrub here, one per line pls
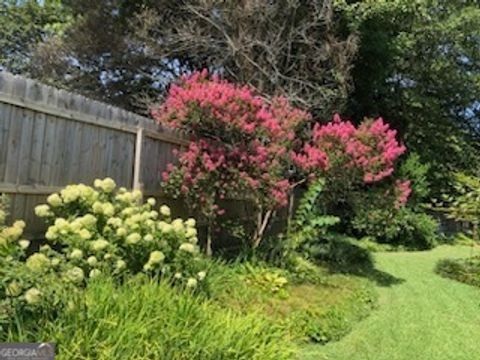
(367, 152)
(240, 146)
(94, 231)
(106, 231)
(24, 285)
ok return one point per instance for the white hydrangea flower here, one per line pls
(19, 224)
(76, 225)
(45, 248)
(153, 214)
(99, 245)
(191, 232)
(191, 222)
(177, 225)
(76, 254)
(151, 201)
(75, 274)
(201, 275)
(13, 289)
(108, 185)
(156, 257)
(193, 240)
(133, 238)
(115, 221)
(88, 220)
(70, 194)
(55, 262)
(188, 247)
(85, 234)
(107, 256)
(92, 261)
(164, 227)
(191, 282)
(165, 210)
(94, 273)
(51, 233)
(54, 200)
(177, 275)
(97, 207)
(38, 262)
(33, 296)
(42, 210)
(137, 195)
(108, 209)
(120, 265)
(121, 232)
(12, 232)
(148, 238)
(24, 244)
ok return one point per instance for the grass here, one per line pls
(146, 320)
(420, 316)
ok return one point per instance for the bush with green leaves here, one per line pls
(100, 229)
(405, 227)
(29, 287)
(93, 231)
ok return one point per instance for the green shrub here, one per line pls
(463, 270)
(92, 232)
(404, 226)
(102, 230)
(142, 319)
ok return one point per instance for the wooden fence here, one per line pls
(50, 138)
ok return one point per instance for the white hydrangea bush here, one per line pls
(102, 229)
(26, 282)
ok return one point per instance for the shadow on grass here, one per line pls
(346, 257)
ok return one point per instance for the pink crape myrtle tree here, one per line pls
(243, 146)
(353, 157)
(240, 148)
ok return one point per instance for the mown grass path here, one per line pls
(422, 316)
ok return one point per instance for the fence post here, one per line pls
(137, 165)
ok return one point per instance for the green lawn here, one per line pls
(420, 316)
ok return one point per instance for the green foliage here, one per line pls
(310, 223)
(322, 309)
(404, 226)
(416, 171)
(463, 270)
(24, 24)
(142, 319)
(418, 65)
(465, 204)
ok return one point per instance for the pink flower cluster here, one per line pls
(369, 150)
(211, 107)
(402, 190)
(240, 142)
